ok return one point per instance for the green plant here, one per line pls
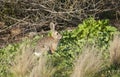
(90, 32)
(95, 32)
(6, 57)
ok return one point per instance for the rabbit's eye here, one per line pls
(57, 33)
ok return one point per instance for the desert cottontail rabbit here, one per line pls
(49, 42)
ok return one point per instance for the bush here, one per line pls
(90, 32)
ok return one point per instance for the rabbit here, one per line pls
(48, 43)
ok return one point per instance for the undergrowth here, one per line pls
(96, 33)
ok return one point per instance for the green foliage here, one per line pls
(92, 32)
(95, 32)
(6, 58)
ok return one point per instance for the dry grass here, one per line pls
(24, 61)
(88, 63)
(115, 50)
(43, 68)
(28, 65)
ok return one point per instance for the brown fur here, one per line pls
(50, 42)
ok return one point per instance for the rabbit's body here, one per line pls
(48, 43)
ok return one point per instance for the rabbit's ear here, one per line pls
(52, 26)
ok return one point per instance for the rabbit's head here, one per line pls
(54, 33)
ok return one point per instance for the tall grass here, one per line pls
(115, 51)
(24, 61)
(26, 64)
(88, 63)
(43, 68)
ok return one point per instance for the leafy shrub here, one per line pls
(91, 32)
